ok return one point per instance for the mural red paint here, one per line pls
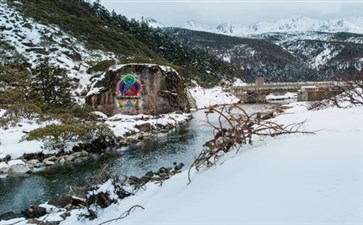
(128, 91)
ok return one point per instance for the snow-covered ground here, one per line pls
(287, 95)
(214, 96)
(121, 124)
(12, 143)
(292, 179)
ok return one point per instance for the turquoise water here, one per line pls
(179, 145)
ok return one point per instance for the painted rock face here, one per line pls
(128, 93)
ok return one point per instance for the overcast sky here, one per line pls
(212, 13)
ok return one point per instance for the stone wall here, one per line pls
(316, 94)
(163, 90)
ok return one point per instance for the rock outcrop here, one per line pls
(153, 89)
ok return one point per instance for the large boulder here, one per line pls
(17, 169)
(154, 90)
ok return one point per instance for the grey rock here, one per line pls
(60, 201)
(70, 158)
(84, 153)
(149, 174)
(34, 212)
(17, 169)
(31, 163)
(178, 166)
(145, 127)
(9, 216)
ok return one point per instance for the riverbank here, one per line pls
(292, 179)
(299, 176)
(18, 156)
(181, 144)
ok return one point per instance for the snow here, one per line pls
(11, 163)
(123, 124)
(293, 179)
(27, 36)
(324, 56)
(294, 24)
(12, 142)
(238, 82)
(287, 95)
(107, 188)
(214, 96)
(163, 68)
(195, 25)
(153, 23)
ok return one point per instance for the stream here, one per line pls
(179, 145)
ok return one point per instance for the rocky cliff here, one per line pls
(138, 88)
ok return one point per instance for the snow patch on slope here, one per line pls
(214, 96)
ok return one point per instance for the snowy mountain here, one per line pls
(226, 28)
(295, 24)
(280, 57)
(300, 24)
(195, 25)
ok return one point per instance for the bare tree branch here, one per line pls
(124, 214)
(235, 128)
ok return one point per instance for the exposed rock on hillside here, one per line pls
(159, 90)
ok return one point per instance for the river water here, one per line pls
(179, 145)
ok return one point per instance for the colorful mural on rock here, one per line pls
(128, 94)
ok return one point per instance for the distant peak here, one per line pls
(195, 25)
(293, 24)
(226, 28)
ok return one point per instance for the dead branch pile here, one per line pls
(235, 128)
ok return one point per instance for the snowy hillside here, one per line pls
(281, 57)
(22, 37)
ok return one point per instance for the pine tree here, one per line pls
(51, 85)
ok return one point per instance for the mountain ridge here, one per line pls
(294, 24)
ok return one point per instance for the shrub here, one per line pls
(8, 121)
(61, 136)
(23, 110)
(101, 66)
(14, 83)
(84, 113)
(51, 85)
